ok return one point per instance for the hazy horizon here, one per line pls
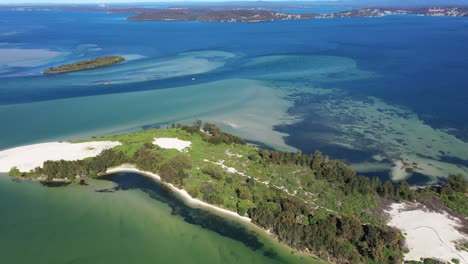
(355, 2)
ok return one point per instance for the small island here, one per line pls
(86, 64)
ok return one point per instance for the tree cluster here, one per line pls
(175, 170)
(71, 170)
(211, 133)
(339, 173)
(343, 239)
(452, 193)
(214, 171)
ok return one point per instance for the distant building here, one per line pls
(435, 10)
(102, 5)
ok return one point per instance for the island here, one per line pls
(314, 204)
(98, 62)
(259, 15)
(245, 13)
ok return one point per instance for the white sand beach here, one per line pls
(428, 234)
(184, 194)
(172, 143)
(26, 158)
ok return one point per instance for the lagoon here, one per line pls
(140, 221)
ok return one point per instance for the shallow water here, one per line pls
(371, 91)
(140, 221)
(392, 88)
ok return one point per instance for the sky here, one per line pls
(133, 1)
(115, 1)
(421, 2)
(121, 1)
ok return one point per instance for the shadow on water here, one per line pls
(314, 133)
(195, 216)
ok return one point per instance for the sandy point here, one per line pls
(27, 158)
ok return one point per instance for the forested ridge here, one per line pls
(308, 201)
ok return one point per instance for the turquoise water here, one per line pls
(370, 91)
(140, 222)
(271, 83)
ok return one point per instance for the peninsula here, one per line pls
(86, 64)
(309, 202)
(247, 14)
(244, 15)
(256, 15)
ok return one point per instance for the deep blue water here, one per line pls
(421, 62)
(422, 59)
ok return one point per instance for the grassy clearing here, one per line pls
(242, 172)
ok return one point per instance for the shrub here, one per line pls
(214, 171)
(14, 172)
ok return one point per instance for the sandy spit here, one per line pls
(26, 158)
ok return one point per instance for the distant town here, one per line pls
(245, 14)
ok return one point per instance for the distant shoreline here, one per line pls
(245, 13)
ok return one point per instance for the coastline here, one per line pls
(180, 192)
(186, 197)
(28, 157)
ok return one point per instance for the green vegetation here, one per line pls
(308, 201)
(15, 172)
(426, 261)
(86, 64)
(451, 194)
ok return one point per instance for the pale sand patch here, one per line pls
(130, 57)
(255, 117)
(226, 168)
(155, 69)
(428, 234)
(254, 106)
(398, 172)
(26, 158)
(172, 143)
(182, 193)
(15, 57)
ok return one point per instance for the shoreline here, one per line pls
(187, 198)
(28, 157)
(180, 192)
